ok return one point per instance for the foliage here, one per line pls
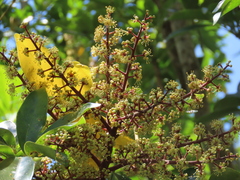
(121, 134)
(226, 6)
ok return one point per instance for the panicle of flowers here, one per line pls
(93, 148)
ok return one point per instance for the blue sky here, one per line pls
(232, 52)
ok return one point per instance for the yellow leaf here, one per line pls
(92, 163)
(91, 118)
(30, 66)
(122, 140)
(82, 73)
(80, 51)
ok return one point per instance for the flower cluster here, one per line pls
(116, 134)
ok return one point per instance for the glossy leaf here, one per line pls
(73, 119)
(21, 168)
(36, 150)
(228, 174)
(6, 151)
(32, 117)
(216, 17)
(224, 6)
(5, 163)
(218, 7)
(229, 5)
(118, 176)
(7, 137)
(9, 125)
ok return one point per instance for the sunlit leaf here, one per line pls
(6, 151)
(224, 6)
(229, 5)
(20, 168)
(81, 72)
(216, 17)
(9, 125)
(5, 163)
(30, 66)
(219, 5)
(8, 137)
(9, 103)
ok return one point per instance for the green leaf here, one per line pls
(9, 103)
(41, 139)
(36, 150)
(229, 5)
(6, 151)
(5, 163)
(189, 14)
(7, 137)
(73, 119)
(185, 30)
(228, 174)
(21, 168)
(216, 17)
(9, 125)
(118, 176)
(223, 107)
(230, 101)
(225, 6)
(32, 117)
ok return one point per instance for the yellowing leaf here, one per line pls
(92, 163)
(122, 140)
(30, 66)
(80, 51)
(91, 118)
(81, 73)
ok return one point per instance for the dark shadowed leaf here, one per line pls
(33, 149)
(228, 105)
(230, 174)
(185, 30)
(5, 163)
(73, 119)
(119, 176)
(32, 116)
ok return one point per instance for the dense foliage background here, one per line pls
(178, 28)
